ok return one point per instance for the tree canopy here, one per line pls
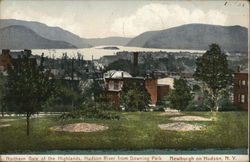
(27, 87)
(135, 98)
(181, 94)
(212, 68)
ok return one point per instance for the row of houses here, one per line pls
(158, 87)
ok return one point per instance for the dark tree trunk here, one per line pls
(28, 124)
(2, 112)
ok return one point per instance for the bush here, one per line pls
(159, 109)
(91, 111)
(180, 96)
(227, 105)
(197, 108)
(135, 99)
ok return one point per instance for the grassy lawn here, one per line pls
(133, 131)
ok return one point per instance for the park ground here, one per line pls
(134, 131)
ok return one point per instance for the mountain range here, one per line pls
(20, 37)
(190, 36)
(51, 33)
(195, 36)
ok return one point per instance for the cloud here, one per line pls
(162, 16)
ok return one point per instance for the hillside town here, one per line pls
(157, 83)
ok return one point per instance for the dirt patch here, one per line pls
(79, 127)
(7, 120)
(171, 113)
(190, 118)
(180, 126)
(5, 125)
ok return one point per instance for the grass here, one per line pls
(137, 130)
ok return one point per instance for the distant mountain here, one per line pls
(121, 41)
(52, 33)
(141, 39)
(195, 36)
(20, 37)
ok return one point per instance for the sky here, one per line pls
(127, 18)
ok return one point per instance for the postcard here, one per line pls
(106, 80)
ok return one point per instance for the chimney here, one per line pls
(5, 51)
(122, 75)
(135, 63)
(238, 69)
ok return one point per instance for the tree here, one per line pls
(181, 94)
(135, 98)
(27, 88)
(124, 65)
(2, 92)
(212, 69)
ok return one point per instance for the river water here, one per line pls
(98, 51)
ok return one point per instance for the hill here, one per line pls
(51, 33)
(20, 37)
(195, 36)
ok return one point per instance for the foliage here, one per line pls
(225, 102)
(200, 102)
(68, 93)
(135, 98)
(91, 111)
(2, 92)
(123, 65)
(159, 108)
(164, 102)
(196, 88)
(181, 94)
(27, 88)
(170, 64)
(212, 69)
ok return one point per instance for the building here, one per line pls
(240, 94)
(114, 85)
(5, 61)
(115, 80)
(11, 58)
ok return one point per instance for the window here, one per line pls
(116, 85)
(239, 83)
(242, 98)
(243, 82)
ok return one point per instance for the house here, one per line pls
(240, 92)
(115, 81)
(12, 58)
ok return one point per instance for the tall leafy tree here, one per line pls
(135, 98)
(2, 92)
(27, 88)
(212, 68)
(181, 94)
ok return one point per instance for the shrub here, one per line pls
(197, 108)
(226, 105)
(180, 96)
(91, 111)
(159, 108)
(135, 98)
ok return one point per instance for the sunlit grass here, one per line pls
(138, 130)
